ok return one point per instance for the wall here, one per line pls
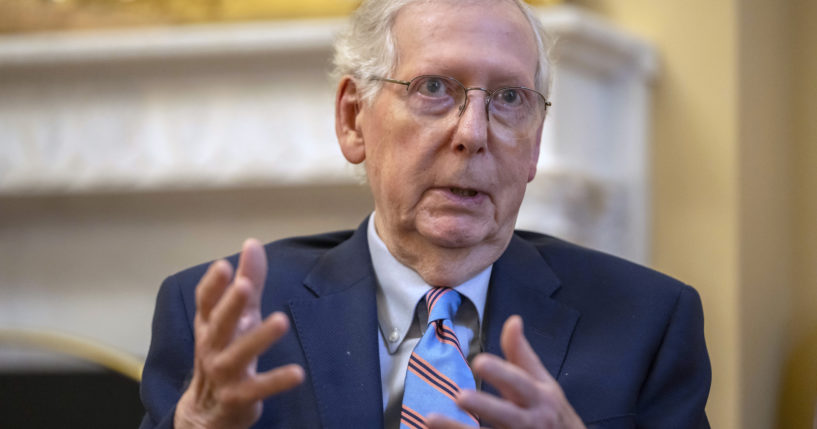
(798, 399)
(734, 191)
(765, 239)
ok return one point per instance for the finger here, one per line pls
(248, 346)
(252, 265)
(225, 316)
(512, 382)
(519, 352)
(262, 385)
(280, 379)
(491, 409)
(211, 287)
(438, 421)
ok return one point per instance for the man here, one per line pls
(445, 101)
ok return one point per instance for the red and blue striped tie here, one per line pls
(437, 369)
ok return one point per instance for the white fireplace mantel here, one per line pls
(231, 105)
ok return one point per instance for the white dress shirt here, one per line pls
(400, 290)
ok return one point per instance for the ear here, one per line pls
(534, 158)
(348, 121)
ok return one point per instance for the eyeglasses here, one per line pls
(514, 111)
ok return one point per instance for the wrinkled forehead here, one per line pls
(461, 11)
(464, 35)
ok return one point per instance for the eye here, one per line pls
(509, 97)
(432, 86)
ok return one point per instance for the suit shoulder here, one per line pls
(577, 265)
(308, 244)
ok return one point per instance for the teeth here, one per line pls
(464, 192)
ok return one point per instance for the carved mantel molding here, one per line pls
(226, 105)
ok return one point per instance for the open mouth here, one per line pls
(463, 192)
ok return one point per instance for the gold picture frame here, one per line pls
(45, 15)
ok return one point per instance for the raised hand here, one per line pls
(531, 398)
(226, 391)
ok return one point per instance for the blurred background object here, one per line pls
(85, 349)
(106, 394)
(40, 15)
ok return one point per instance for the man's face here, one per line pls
(453, 185)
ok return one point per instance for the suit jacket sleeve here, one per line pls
(170, 358)
(675, 392)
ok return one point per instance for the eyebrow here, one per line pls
(495, 83)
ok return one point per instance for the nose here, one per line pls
(471, 134)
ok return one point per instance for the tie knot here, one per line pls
(442, 303)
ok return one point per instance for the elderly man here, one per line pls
(416, 319)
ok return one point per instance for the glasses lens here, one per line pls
(514, 106)
(434, 95)
(515, 112)
(518, 111)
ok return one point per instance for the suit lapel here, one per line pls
(338, 327)
(522, 283)
(338, 332)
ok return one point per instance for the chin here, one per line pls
(454, 234)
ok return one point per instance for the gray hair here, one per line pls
(367, 47)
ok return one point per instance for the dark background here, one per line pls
(69, 400)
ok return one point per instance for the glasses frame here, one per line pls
(488, 92)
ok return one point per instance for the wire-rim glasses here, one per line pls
(516, 109)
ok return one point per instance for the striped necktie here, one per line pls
(437, 369)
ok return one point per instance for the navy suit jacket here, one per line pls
(625, 343)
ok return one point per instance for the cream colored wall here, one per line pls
(765, 240)
(734, 191)
(799, 388)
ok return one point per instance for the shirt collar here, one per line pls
(400, 288)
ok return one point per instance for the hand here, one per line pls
(226, 391)
(531, 398)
